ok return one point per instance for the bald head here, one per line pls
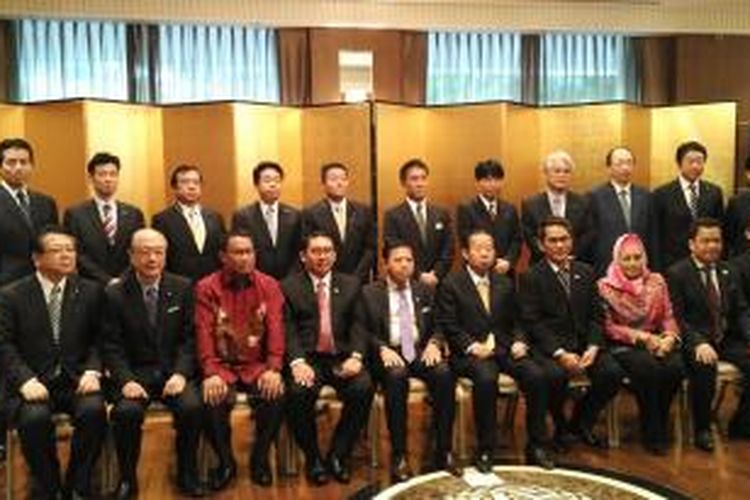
(148, 250)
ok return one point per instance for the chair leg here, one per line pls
(462, 402)
(374, 431)
(613, 422)
(686, 415)
(9, 465)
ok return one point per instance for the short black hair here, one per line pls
(391, 244)
(608, 158)
(181, 169)
(553, 220)
(488, 169)
(38, 242)
(234, 233)
(16, 143)
(331, 166)
(102, 158)
(686, 147)
(475, 232)
(305, 242)
(265, 165)
(703, 223)
(403, 171)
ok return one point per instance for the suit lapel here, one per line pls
(614, 202)
(678, 197)
(471, 289)
(12, 206)
(410, 222)
(37, 303)
(68, 307)
(329, 223)
(96, 222)
(555, 283)
(257, 219)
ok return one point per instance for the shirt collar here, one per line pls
(48, 285)
(556, 268)
(701, 266)
(13, 191)
(487, 202)
(617, 187)
(393, 287)
(265, 206)
(337, 204)
(325, 279)
(188, 210)
(414, 203)
(477, 279)
(145, 286)
(100, 203)
(685, 184)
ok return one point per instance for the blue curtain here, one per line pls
(204, 62)
(467, 67)
(69, 59)
(577, 68)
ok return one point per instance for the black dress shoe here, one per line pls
(588, 438)
(446, 462)
(260, 473)
(126, 489)
(339, 469)
(316, 472)
(400, 470)
(190, 486)
(483, 463)
(656, 448)
(536, 455)
(2, 450)
(563, 441)
(222, 476)
(704, 441)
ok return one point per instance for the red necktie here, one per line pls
(325, 336)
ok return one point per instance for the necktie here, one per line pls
(325, 336)
(23, 203)
(198, 228)
(151, 299)
(625, 205)
(108, 222)
(564, 276)
(693, 202)
(557, 206)
(483, 287)
(406, 327)
(421, 221)
(340, 216)
(54, 309)
(714, 304)
(493, 209)
(271, 223)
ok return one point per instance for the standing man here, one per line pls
(193, 232)
(489, 212)
(620, 207)
(324, 347)
(275, 227)
(149, 351)
(49, 329)
(477, 311)
(559, 201)
(737, 217)
(240, 334)
(103, 225)
(715, 323)
(561, 311)
(349, 223)
(398, 314)
(678, 203)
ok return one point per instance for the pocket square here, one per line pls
(172, 309)
(439, 226)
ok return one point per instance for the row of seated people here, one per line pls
(151, 335)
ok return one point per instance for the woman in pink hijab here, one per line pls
(643, 336)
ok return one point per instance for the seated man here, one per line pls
(561, 310)
(713, 315)
(325, 348)
(49, 324)
(240, 336)
(149, 350)
(397, 313)
(477, 313)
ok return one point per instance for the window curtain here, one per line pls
(69, 59)
(468, 67)
(578, 68)
(209, 62)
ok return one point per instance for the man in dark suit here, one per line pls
(22, 213)
(736, 218)
(477, 312)
(103, 225)
(193, 232)
(559, 201)
(561, 311)
(149, 351)
(49, 324)
(349, 223)
(488, 212)
(620, 207)
(275, 227)
(425, 226)
(715, 322)
(324, 347)
(397, 313)
(240, 335)
(678, 203)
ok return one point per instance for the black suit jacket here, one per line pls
(691, 309)
(97, 259)
(673, 218)
(183, 256)
(504, 228)
(609, 222)
(551, 318)
(537, 208)
(373, 314)
(356, 253)
(302, 320)
(279, 260)
(735, 222)
(26, 343)
(17, 236)
(132, 349)
(437, 254)
(463, 318)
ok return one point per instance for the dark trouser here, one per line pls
(3, 411)
(268, 416)
(441, 385)
(38, 438)
(703, 386)
(187, 413)
(654, 382)
(355, 392)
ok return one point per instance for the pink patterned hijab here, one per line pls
(616, 276)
